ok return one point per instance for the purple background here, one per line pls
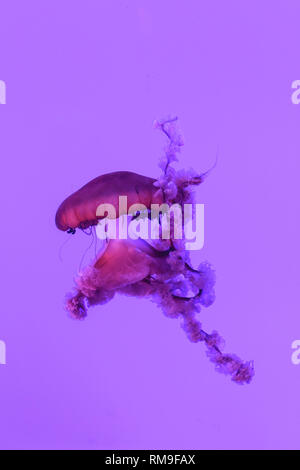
(85, 80)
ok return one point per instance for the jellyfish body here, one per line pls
(139, 268)
(80, 209)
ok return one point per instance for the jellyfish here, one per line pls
(159, 269)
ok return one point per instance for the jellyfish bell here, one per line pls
(128, 261)
(80, 209)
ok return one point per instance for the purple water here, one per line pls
(84, 83)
